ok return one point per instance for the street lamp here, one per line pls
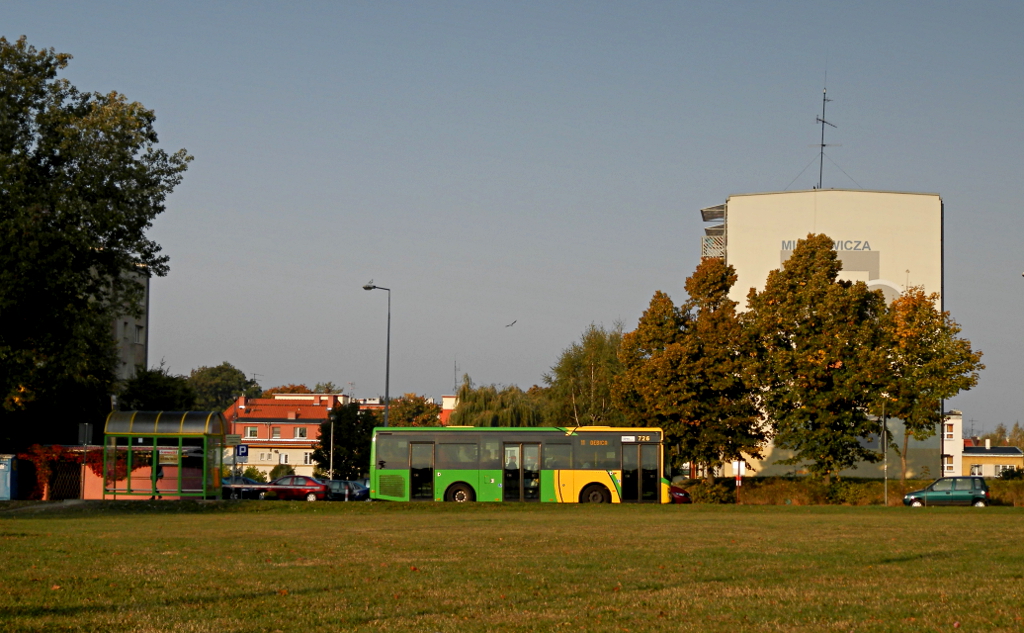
(387, 361)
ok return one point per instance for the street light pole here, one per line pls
(387, 358)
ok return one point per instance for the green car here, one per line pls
(951, 491)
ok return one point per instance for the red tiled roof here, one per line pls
(263, 409)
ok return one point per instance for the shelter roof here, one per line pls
(192, 423)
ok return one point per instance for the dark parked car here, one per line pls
(356, 490)
(679, 495)
(298, 487)
(951, 491)
(238, 487)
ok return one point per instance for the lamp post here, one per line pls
(387, 360)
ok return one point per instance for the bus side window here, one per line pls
(456, 456)
(490, 455)
(556, 456)
(392, 452)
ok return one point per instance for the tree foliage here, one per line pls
(281, 470)
(289, 388)
(414, 410)
(255, 474)
(817, 358)
(580, 384)
(217, 387)
(636, 389)
(1016, 435)
(326, 387)
(157, 389)
(489, 405)
(81, 180)
(926, 361)
(686, 367)
(353, 432)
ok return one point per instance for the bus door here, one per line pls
(421, 471)
(640, 473)
(521, 479)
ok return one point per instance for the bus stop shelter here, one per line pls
(163, 454)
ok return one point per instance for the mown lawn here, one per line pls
(295, 566)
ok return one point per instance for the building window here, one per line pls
(949, 431)
(300, 432)
(275, 432)
(251, 431)
(1001, 468)
(307, 458)
(139, 338)
(949, 463)
(284, 458)
(976, 470)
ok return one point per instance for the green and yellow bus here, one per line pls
(593, 464)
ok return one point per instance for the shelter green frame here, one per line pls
(209, 426)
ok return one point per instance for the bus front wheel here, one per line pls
(595, 493)
(460, 493)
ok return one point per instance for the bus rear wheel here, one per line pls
(460, 493)
(595, 493)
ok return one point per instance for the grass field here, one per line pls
(295, 566)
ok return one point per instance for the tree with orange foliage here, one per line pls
(414, 410)
(928, 363)
(684, 370)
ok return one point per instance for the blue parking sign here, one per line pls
(241, 450)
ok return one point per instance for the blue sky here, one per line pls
(538, 162)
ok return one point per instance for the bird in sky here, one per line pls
(512, 323)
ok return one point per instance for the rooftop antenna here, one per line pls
(821, 119)
(455, 376)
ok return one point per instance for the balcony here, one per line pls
(712, 246)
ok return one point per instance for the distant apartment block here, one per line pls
(886, 239)
(132, 337)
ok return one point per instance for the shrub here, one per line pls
(716, 492)
(1014, 473)
(255, 474)
(280, 471)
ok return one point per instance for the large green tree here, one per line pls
(580, 383)
(352, 433)
(927, 362)
(217, 387)
(81, 180)
(490, 405)
(817, 358)
(157, 389)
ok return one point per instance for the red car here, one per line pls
(678, 495)
(298, 487)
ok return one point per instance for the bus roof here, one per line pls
(516, 429)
